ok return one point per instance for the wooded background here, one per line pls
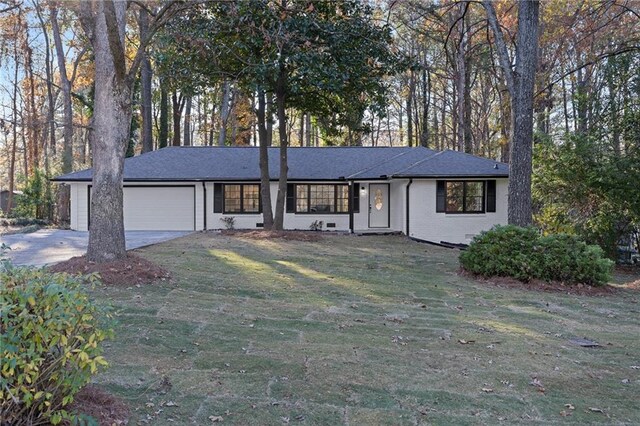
(435, 77)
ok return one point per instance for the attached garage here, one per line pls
(153, 208)
(159, 208)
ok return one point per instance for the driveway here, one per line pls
(48, 246)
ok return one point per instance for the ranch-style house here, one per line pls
(435, 196)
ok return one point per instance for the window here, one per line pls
(241, 198)
(460, 197)
(322, 199)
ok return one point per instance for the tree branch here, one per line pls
(503, 53)
(116, 46)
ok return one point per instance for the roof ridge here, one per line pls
(418, 162)
(474, 156)
(352, 175)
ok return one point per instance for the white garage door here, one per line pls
(159, 208)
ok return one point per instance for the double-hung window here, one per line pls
(321, 199)
(241, 198)
(461, 196)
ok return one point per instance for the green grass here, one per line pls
(361, 330)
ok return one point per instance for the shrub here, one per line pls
(50, 344)
(522, 253)
(229, 222)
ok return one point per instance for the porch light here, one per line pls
(363, 191)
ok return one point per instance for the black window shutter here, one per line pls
(440, 196)
(291, 198)
(217, 198)
(355, 198)
(491, 196)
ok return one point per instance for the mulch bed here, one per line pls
(130, 270)
(544, 286)
(273, 235)
(106, 408)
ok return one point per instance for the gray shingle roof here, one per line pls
(327, 163)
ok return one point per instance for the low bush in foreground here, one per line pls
(522, 253)
(50, 344)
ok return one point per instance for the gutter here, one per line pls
(408, 204)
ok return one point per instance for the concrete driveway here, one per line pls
(48, 246)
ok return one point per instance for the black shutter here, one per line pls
(291, 198)
(491, 196)
(217, 198)
(355, 198)
(440, 197)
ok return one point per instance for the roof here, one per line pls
(327, 163)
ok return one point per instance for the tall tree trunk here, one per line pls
(177, 105)
(14, 131)
(64, 191)
(145, 93)
(278, 221)
(225, 109)
(521, 85)
(265, 187)
(301, 130)
(308, 129)
(426, 99)
(112, 118)
(410, 110)
(163, 132)
(269, 118)
(187, 122)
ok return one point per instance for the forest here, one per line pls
(447, 75)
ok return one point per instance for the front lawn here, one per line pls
(361, 330)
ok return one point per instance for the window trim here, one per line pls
(242, 185)
(335, 198)
(464, 197)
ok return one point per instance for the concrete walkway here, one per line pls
(48, 246)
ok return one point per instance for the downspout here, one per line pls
(351, 196)
(204, 188)
(408, 205)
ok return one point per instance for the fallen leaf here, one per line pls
(466, 342)
(216, 419)
(564, 413)
(569, 406)
(487, 390)
(171, 404)
(596, 410)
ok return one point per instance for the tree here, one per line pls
(104, 24)
(520, 83)
(326, 58)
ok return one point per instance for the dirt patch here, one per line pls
(275, 235)
(544, 286)
(106, 408)
(130, 270)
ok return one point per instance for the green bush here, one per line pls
(522, 253)
(50, 343)
(22, 221)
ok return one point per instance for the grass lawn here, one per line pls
(361, 330)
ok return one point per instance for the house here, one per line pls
(428, 195)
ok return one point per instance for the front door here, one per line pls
(379, 205)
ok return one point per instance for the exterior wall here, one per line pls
(80, 208)
(291, 220)
(426, 224)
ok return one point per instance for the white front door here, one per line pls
(379, 205)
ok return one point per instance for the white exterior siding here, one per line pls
(291, 220)
(427, 225)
